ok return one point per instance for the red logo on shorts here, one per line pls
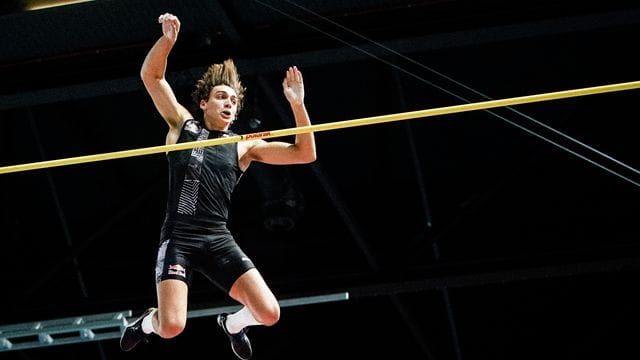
(177, 269)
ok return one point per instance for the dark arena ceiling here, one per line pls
(505, 233)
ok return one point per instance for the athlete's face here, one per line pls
(222, 105)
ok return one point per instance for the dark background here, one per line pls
(503, 234)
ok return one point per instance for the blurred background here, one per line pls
(502, 234)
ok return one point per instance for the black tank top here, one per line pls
(201, 182)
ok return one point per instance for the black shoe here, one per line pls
(239, 342)
(133, 333)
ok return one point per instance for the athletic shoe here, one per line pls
(133, 333)
(239, 342)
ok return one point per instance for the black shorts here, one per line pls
(217, 256)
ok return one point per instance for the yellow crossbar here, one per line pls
(328, 126)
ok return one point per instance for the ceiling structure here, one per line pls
(508, 233)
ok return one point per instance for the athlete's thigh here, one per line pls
(172, 300)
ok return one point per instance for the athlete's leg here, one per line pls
(171, 317)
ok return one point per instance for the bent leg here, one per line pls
(251, 290)
(171, 317)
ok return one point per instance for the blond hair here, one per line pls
(225, 73)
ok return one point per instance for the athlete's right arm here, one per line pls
(153, 75)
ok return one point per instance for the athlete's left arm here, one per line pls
(303, 150)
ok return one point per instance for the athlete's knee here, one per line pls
(171, 327)
(270, 315)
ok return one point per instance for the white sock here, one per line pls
(240, 320)
(147, 323)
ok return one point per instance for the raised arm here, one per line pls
(303, 150)
(153, 76)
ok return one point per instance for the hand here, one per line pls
(170, 26)
(293, 86)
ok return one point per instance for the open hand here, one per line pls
(293, 86)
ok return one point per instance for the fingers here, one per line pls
(170, 26)
(293, 86)
(293, 75)
(169, 18)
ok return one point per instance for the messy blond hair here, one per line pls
(219, 74)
